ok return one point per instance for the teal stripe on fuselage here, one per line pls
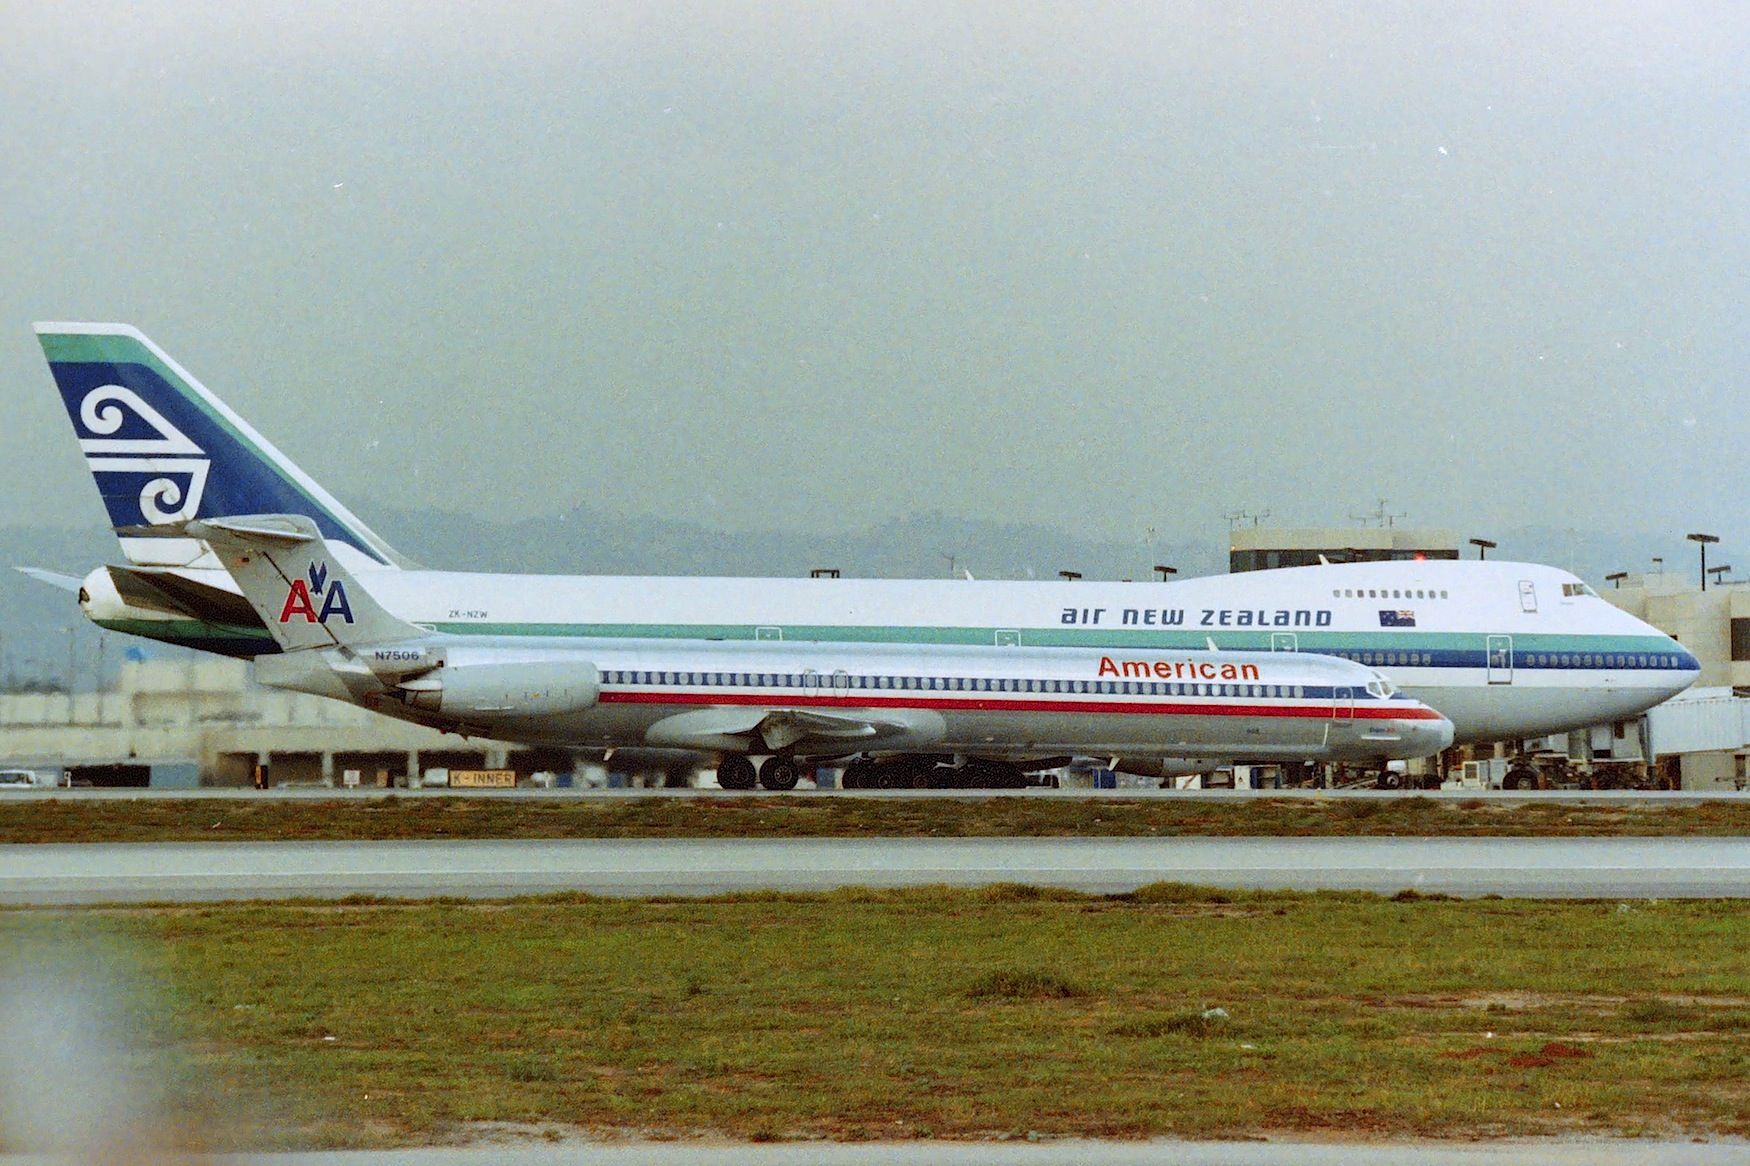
(1385, 648)
(1128, 638)
(1413, 649)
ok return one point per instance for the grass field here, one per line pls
(939, 1014)
(77, 819)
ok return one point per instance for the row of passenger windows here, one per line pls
(1597, 660)
(1383, 593)
(1527, 659)
(818, 682)
(1388, 659)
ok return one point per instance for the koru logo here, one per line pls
(179, 466)
(301, 599)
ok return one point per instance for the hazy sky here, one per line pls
(772, 264)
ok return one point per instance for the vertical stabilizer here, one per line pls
(298, 585)
(165, 451)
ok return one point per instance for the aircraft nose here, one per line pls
(1431, 735)
(1686, 673)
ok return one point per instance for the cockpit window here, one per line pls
(1569, 590)
(1381, 687)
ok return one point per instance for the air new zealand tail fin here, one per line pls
(297, 584)
(165, 451)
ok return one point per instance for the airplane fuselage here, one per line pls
(1505, 650)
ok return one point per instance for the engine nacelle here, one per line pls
(507, 690)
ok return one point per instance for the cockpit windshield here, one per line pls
(1381, 687)
(1569, 590)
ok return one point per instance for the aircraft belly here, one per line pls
(1532, 707)
(1180, 736)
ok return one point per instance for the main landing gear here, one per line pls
(737, 772)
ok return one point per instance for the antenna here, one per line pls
(1381, 516)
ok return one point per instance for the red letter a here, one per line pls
(298, 603)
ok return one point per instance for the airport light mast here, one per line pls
(1703, 539)
(1483, 546)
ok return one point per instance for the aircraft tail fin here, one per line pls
(299, 587)
(165, 451)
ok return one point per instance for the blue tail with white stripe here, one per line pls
(164, 450)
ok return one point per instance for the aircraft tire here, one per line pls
(858, 774)
(735, 772)
(778, 773)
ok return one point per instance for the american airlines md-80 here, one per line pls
(1503, 650)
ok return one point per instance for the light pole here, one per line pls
(1483, 546)
(1069, 576)
(1617, 579)
(1716, 572)
(1165, 571)
(1703, 539)
(72, 658)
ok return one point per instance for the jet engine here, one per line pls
(505, 690)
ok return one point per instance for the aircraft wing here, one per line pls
(825, 730)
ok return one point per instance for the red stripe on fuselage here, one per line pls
(1366, 712)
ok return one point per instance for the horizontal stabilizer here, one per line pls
(275, 529)
(52, 578)
(164, 589)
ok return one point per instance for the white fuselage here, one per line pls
(1008, 703)
(1504, 650)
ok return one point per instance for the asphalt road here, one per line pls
(1515, 867)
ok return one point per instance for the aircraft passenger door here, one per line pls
(1527, 596)
(1500, 654)
(1342, 704)
(810, 682)
(1284, 642)
(841, 683)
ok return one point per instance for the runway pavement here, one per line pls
(1517, 867)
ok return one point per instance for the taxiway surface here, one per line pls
(1516, 867)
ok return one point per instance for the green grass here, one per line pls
(78, 819)
(940, 1013)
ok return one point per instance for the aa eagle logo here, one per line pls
(301, 599)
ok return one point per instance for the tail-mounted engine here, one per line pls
(504, 691)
